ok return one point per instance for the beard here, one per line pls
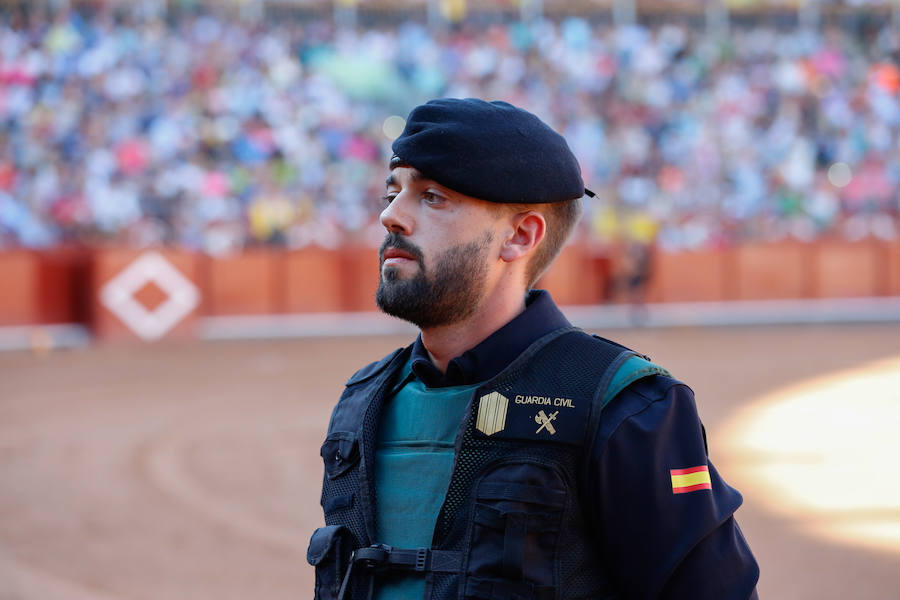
(449, 295)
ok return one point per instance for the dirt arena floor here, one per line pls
(191, 471)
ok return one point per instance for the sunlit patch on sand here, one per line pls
(826, 454)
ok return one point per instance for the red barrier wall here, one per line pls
(892, 276)
(307, 280)
(64, 285)
(359, 267)
(249, 283)
(19, 279)
(574, 277)
(40, 287)
(756, 279)
(692, 276)
(845, 269)
(313, 281)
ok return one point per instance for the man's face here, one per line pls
(436, 258)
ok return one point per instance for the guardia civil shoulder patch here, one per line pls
(690, 479)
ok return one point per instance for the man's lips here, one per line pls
(396, 253)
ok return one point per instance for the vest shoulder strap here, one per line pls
(633, 368)
(373, 369)
(627, 367)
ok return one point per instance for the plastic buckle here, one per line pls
(421, 558)
(375, 556)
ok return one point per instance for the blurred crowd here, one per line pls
(216, 133)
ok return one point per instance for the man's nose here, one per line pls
(396, 218)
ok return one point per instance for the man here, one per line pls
(506, 454)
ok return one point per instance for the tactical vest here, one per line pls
(512, 524)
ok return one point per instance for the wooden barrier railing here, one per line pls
(175, 287)
(44, 287)
(19, 303)
(892, 266)
(774, 271)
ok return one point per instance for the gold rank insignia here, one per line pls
(492, 413)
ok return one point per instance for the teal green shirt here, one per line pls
(413, 463)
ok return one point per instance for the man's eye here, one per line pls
(388, 198)
(432, 198)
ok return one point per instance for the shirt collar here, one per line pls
(494, 353)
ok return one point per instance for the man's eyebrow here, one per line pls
(414, 174)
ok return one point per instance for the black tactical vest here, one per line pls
(512, 524)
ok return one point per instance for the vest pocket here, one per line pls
(515, 531)
(329, 552)
(340, 452)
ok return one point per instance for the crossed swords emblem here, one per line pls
(544, 421)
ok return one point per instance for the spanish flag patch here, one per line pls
(690, 480)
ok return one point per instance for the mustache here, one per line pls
(394, 240)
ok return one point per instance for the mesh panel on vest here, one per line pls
(445, 585)
(351, 516)
(361, 584)
(351, 483)
(575, 364)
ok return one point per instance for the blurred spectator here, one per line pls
(212, 133)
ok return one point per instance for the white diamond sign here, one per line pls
(118, 295)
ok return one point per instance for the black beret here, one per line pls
(489, 150)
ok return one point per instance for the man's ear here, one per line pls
(527, 231)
